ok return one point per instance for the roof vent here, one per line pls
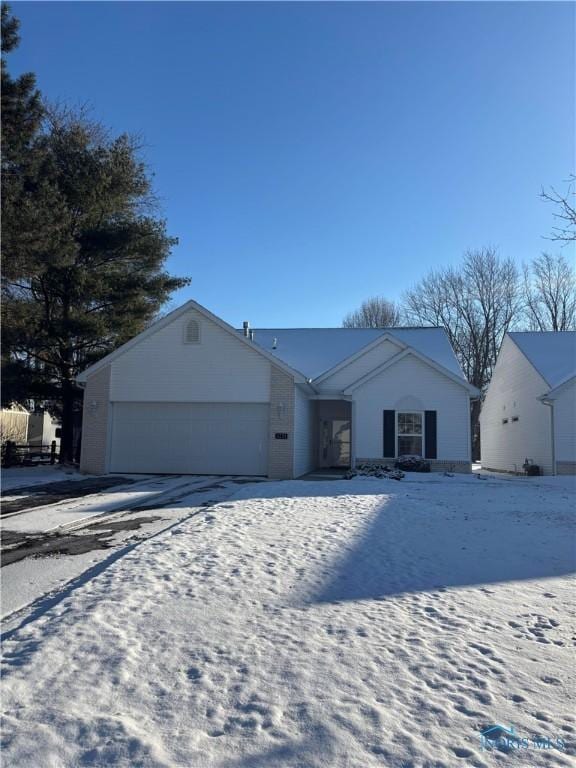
(251, 334)
(246, 326)
(192, 332)
(274, 342)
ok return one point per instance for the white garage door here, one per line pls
(190, 438)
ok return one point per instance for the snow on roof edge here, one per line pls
(551, 353)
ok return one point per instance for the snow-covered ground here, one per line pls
(21, 477)
(76, 510)
(158, 503)
(313, 624)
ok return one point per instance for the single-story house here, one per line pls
(192, 394)
(530, 408)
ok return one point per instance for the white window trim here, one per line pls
(398, 435)
(199, 327)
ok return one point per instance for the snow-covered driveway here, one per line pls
(350, 623)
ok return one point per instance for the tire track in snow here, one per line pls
(41, 605)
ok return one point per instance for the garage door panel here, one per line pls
(139, 445)
(195, 438)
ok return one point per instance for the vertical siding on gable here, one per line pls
(565, 424)
(411, 384)
(359, 367)
(163, 368)
(514, 392)
(303, 434)
(15, 425)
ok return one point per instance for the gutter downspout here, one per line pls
(550, 404)
(473, 399)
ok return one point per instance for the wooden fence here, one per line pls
(14, 455)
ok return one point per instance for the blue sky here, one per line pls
(309, 155)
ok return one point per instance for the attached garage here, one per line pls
(190, 438)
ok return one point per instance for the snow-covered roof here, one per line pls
(313, 351)
(552, 353)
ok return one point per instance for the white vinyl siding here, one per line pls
(565, 424)
(191, 438)
(303, 434)
(360, 367)
(162, 368)
(513, 395)
(412, 385)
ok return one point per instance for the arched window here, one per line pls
(192, 332)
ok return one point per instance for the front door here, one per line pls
(334, 443)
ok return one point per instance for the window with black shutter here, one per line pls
(410, 426)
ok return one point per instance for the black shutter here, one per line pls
(430, 450)
(389, 434)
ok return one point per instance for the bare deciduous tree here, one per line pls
(376, 312)
(550, 294)
(565, 211)
(476, 304)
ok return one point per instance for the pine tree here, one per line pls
(83, 250)
(21, 105)
(22, 114)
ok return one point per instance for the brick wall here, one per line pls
(95, 423)
(281, 452)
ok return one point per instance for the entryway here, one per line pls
(334, 434)
(334, 443)
(325, 474)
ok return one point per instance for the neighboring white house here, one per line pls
(43, 429)
(193, 395)
(530, 407)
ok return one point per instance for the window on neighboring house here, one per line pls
(514, 418)
(504, 421)
(410, 434)
(192, 332)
